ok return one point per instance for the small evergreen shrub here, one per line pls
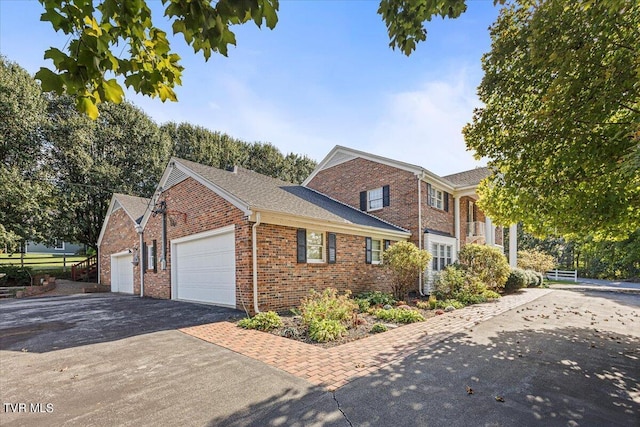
(518, 278)
(325, 330)
(399, 315)
(377, 297)
(265, 321)
(378, 327)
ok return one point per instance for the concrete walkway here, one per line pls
(334, 367)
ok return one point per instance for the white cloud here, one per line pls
(424, 126)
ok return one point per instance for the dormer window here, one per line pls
(372, 200)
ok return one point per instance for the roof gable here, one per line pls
(251, 192)
(135, 208)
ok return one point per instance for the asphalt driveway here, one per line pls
(39, 325)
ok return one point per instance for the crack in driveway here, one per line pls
(333, 393)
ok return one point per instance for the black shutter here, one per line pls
(368, 250)
(302, 246)
(428, 194)
(445, 196)
(385, 196)
(155, 263)
(363, 200)
(331, 248)
(143, 255)
(387, 243)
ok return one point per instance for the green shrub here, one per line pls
(406, 263)
(325, 330)
(536, 261)
(423, 305)
(486, 263)
(15, 275)
(363, 304)
(264, 321)
(377, 298)
(399, 315)
(518, 278)
(327, 305)
(378, 327)
(532, 278)
(488, 294)
(449, 281)
(449, 302)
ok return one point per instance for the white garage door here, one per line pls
(122, 273)
(204, 267)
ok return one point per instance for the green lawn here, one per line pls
(41, 261)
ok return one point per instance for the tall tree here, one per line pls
(562, 118)
(24, 190)
(123, 151)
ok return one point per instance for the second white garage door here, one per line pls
(204, 267)
(122, 273)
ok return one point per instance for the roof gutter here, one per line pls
(140, 255)
(254, 248)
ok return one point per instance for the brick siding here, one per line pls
(119, 235)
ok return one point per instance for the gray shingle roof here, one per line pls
(260, 192)
(470, 177)
(134, 206)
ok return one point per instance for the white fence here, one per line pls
(562, 275)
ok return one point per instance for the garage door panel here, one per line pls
(122, 273)
(205, 269)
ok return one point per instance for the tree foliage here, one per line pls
(536, 261)
(97, 30)
(406, 263)
(24, 189)
(561, 121)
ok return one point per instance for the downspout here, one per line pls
(420, 228)
(254, 248)
(140, 261)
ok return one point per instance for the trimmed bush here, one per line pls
(327, 305)
(399, 315)
(487, 264)
(450, 281)
(378, 327)
(518, 278)
(264, 321)
(377, 297)
(325, 330)
(406, 263)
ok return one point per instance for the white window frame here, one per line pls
(150, 258)
(436, 198)
(377, 251)
(322, 246)
(442, 256)
(58, 245)
(379, 201)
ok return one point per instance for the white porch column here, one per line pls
(456, 216)
(513, 245)
(489, 232)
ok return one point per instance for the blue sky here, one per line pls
(324, 76)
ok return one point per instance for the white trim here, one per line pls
(323, 247)
(338, 149)
(204, 234)
(429, 239)
(293, 221)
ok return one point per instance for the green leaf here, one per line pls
(87, 106)
(50, 81)
(112, 91)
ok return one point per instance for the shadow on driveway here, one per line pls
(45, 324)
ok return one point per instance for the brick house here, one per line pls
(241, 239)
(440, 212)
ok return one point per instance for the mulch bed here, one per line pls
(293, 328)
